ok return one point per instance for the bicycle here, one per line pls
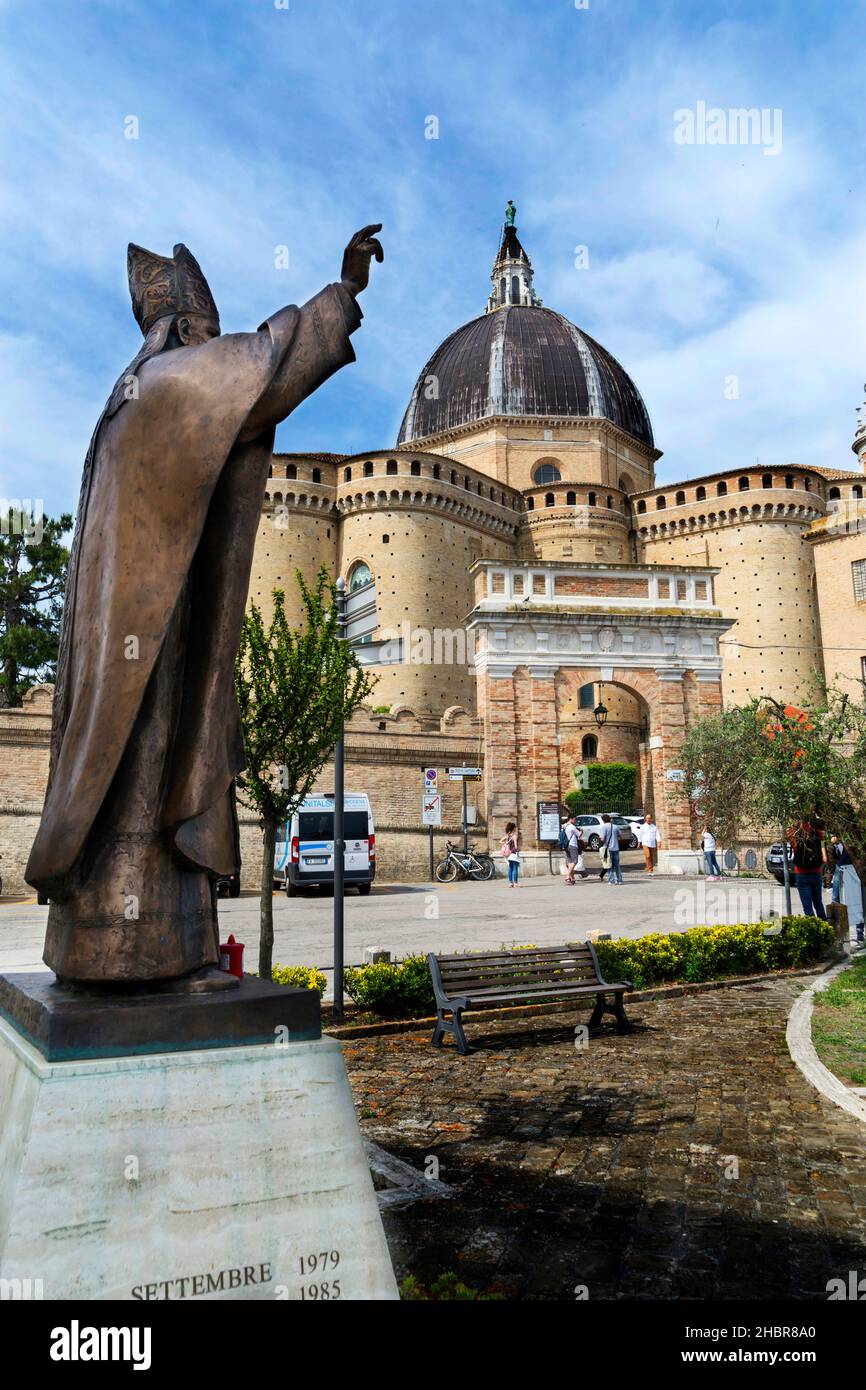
(456, 864)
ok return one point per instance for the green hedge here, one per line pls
(403, 989)
(609, 783)
(709, 953)
(302, 976)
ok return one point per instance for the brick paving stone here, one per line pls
(605, 1166)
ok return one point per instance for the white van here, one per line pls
(305, 845)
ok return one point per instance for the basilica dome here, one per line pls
(519, 358)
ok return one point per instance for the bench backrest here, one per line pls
(573, 964)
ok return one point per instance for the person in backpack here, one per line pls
(508, 846)
(809, 858)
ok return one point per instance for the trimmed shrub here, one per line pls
(404, 990)
(399, 989)
(608, 784)
(301, 976)
(709, 953)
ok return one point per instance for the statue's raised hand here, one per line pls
(356, 258)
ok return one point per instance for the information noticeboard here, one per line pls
(547, 815)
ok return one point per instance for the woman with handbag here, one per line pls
(509, 848)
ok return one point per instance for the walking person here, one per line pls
(809, 858)
(570, 833)
(708, 845)
(509, 848)
(610, 845)
(648, 838)
(847, 888)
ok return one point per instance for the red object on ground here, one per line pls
(232, 957)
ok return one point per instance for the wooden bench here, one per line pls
(533, 976)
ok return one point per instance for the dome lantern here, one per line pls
(511, 276)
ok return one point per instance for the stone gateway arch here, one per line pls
(653, 631)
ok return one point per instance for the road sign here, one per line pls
(467, 774)
(431, 779)
(431, 809)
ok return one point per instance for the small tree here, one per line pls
(775, 765)
(295, 688)
(33, 564)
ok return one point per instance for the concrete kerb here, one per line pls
(674, 991)
(798, 1036)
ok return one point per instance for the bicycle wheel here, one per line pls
(486, 868)
(446, 871)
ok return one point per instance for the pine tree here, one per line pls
(33, 564)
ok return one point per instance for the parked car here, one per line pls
(775, 863)
(623, 823)
(592, 826)
(229, 886)
(305, 845)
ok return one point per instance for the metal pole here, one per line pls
(465, 818)
(339, 838)
(431, 853)
(786, 872)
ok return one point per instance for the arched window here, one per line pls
(591, 499)
(641, 506)
(571, 499)
(453, 477)
(549, 499)
(681, 497)
(271, 471)
(530, 504)
(515, 289)
(700, 494)
(415, 468)
(502, 290)
(789, 480)
(359, 575)
(291, 471)
(743, 484)
(368, 469)
(546, 473)
(391, 466)
(833, 494)
(347, 475)
(661, 503)
(436, 470)
(589, 746)
(807, 484)
(722, 490)
(586, 696)
(317, 475)
(857, 490)
(766, 480)
(609, 501)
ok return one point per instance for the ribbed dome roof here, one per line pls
(522, 360)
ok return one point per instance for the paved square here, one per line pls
(607, 1167)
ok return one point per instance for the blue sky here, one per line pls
(262, 126)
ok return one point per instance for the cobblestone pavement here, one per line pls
(607, 1167)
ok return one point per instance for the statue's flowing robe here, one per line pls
(139, 816)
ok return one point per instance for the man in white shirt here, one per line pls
(649, 837)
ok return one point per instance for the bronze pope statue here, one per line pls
(139, 819)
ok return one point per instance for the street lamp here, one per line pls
(600, 713)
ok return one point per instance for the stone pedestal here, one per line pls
(215, 1173)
